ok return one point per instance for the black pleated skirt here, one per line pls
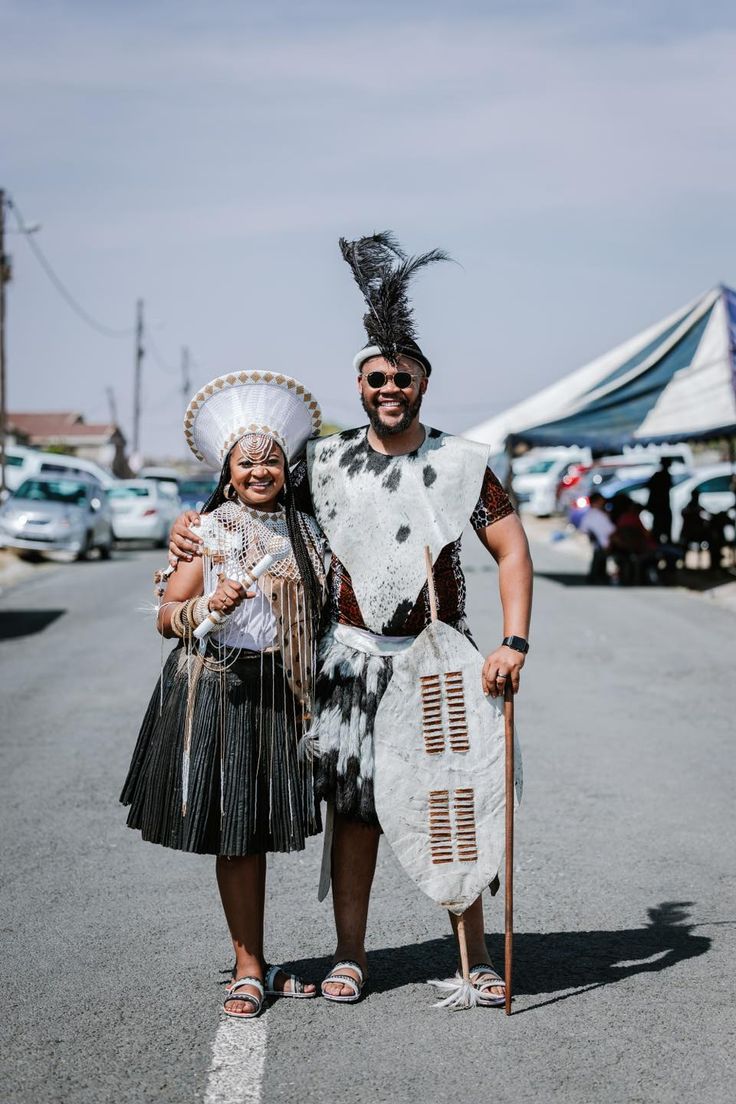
(247, 792)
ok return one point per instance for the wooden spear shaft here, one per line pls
(460, 927)
(508, 713)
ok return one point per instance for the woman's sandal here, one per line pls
(234, 995)
(336, 978)
(297, 990)
(491, 980)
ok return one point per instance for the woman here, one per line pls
(216, 768)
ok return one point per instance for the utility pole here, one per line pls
(137, 379)
(112, 406)
(186, 382)
(5, 274)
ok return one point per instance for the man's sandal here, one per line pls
(491, 980)
(234, 995)
(297, 990)
(336, 978)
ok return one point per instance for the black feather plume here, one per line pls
(383, 272)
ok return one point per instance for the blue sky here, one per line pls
(577, 160)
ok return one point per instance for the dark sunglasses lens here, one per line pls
(379, 379)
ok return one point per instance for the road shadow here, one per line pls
(26, 622)
(546, 962)
(565, 578)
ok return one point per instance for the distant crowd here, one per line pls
(637, 554)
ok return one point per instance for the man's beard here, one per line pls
(381, 429)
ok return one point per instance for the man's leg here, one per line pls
(476, 939)
(354, 852)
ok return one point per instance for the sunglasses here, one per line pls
(380, 379)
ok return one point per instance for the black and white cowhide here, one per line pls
(379, 512)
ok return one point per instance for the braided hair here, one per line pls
(298, 536)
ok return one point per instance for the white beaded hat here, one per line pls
(250, 402)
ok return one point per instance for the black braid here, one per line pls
(312, 589)
(218, 495)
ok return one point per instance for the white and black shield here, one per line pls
(440, 763)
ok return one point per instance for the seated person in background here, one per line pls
(694, 522)
(599, 527)
(630, 534)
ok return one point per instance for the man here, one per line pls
(382, 493)
(597, 523)
(659, 503)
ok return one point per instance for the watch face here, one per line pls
(517, 643)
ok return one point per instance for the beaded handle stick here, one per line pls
(278, 547)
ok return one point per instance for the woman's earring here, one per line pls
(228, 491)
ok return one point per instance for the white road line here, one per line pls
(238, 1061)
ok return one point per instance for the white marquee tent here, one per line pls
(674, 381)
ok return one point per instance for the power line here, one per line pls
(155, 353)
(63, 291)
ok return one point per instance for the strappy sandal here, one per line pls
(297, 990)
(491, 980)
(336, 978)
(234, 995)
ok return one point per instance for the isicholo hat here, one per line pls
(232, 406)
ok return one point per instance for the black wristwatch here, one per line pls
(518, 643)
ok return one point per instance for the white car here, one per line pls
(23, 463)
(61, 514)
(143, 509)
(535, 485)
(715, 485)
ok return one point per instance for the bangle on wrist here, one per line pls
(200, 610)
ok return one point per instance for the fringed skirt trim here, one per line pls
(347, 694)
(216, 767)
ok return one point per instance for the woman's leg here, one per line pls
(242, 884)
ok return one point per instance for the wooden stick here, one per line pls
(463, 944)
(430, 582)
(508, 713)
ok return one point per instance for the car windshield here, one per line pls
(197, 488)
(539, 468)
(129, 492)
(69, 491)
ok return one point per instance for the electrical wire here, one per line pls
(155, 353)
(63, 291)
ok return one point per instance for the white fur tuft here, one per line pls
(460, 994)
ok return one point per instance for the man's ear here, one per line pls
(423, 385)
(358, 379)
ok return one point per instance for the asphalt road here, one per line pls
(625, 897)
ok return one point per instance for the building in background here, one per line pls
(68, 433)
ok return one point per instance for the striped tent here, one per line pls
(675, 381)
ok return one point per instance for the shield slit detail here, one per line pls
(440, 828)
(433, 728)
(464, 845)
(444, 713)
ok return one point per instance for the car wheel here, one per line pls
(84, 551)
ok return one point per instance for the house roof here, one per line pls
(67, 426)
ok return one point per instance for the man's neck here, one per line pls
(400, 443)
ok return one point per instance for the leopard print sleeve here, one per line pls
(492, 505)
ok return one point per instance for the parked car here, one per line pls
(195, 491)
(143, 509)
(23, 463)
(536, 479)
(57, 515)
(715, 486)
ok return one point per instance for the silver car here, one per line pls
(57, 515)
